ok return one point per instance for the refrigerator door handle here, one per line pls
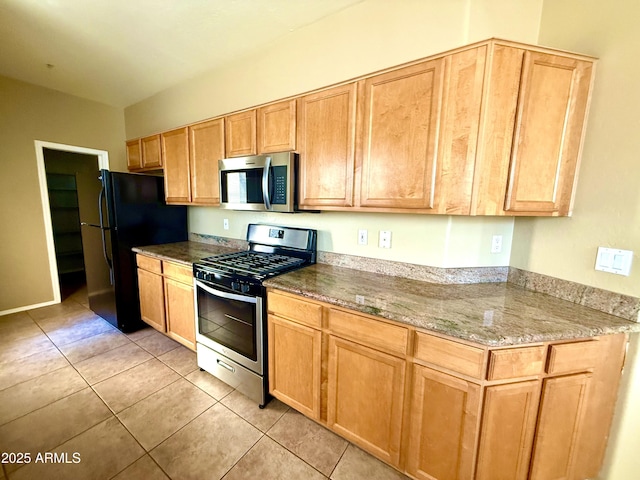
(85, 224)
(103, 232)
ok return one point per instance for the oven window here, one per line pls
(228, 322)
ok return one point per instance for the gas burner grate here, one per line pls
(252, 263)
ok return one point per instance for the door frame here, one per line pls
(103, 163)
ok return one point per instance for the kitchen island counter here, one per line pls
(491, 314)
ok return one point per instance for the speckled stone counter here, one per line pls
(183, 252)
(492, 314)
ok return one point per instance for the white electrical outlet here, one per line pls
(225, 224)
(385, 239)
(362, 237)
(496, 244)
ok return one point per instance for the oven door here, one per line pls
(230, 324)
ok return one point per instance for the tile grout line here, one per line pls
(299, 457)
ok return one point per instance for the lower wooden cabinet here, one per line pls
(294, 365)
(180, 312)
(166, 298)
(365, 397)
(559, 424)
(438, 408)
(508, 428)
(443, 425)
(151, 289)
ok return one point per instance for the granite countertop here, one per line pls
(492, 314)
(186, 253)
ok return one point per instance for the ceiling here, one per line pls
(119, 52)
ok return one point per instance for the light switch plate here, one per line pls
(613, 260)
(362, 237)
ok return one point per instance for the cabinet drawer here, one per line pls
(451, 355)
(572, 357)
(178, 272)
(515, 362)
(148, 263)
(383, 336)
(299, 311)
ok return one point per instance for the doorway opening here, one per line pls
(69, 188)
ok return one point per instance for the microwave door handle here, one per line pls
(265, 183)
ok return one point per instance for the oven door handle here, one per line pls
(230, 296)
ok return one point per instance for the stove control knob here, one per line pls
(235, 285)
(244, 288)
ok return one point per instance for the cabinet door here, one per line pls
(365, 397)
(444, 426)
(151, 152)
(561, 417)
(206, 147)
(294, 365)
(134, 156)
(458, 137)
(240, 134)
(277, 127)
(401, 115)
(326, 143)
(552, 107)
(179, 302)
(151, 293)
(508, 427)
(175, 150)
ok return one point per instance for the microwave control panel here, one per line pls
(279, 185)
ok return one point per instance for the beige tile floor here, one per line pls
(85, 401)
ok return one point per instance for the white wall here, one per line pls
(29, 113)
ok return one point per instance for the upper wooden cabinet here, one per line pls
(206, 147)
(326, 143)
(554, 94)
(151, 152)
(277, 127)
(191, 157)
(134, 155)
(401, 110)
(535, 111)
(175, 148)
(144, 153)
(240, 134)
(420, 133)
(492, 128)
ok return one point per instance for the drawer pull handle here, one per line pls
(226, 365)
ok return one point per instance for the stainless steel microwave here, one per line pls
(259, 182)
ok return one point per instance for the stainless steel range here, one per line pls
(230, 304)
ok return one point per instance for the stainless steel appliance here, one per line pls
(230, 304)
(130, 212)
(259, 182)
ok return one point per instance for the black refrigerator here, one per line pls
(130, 211)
